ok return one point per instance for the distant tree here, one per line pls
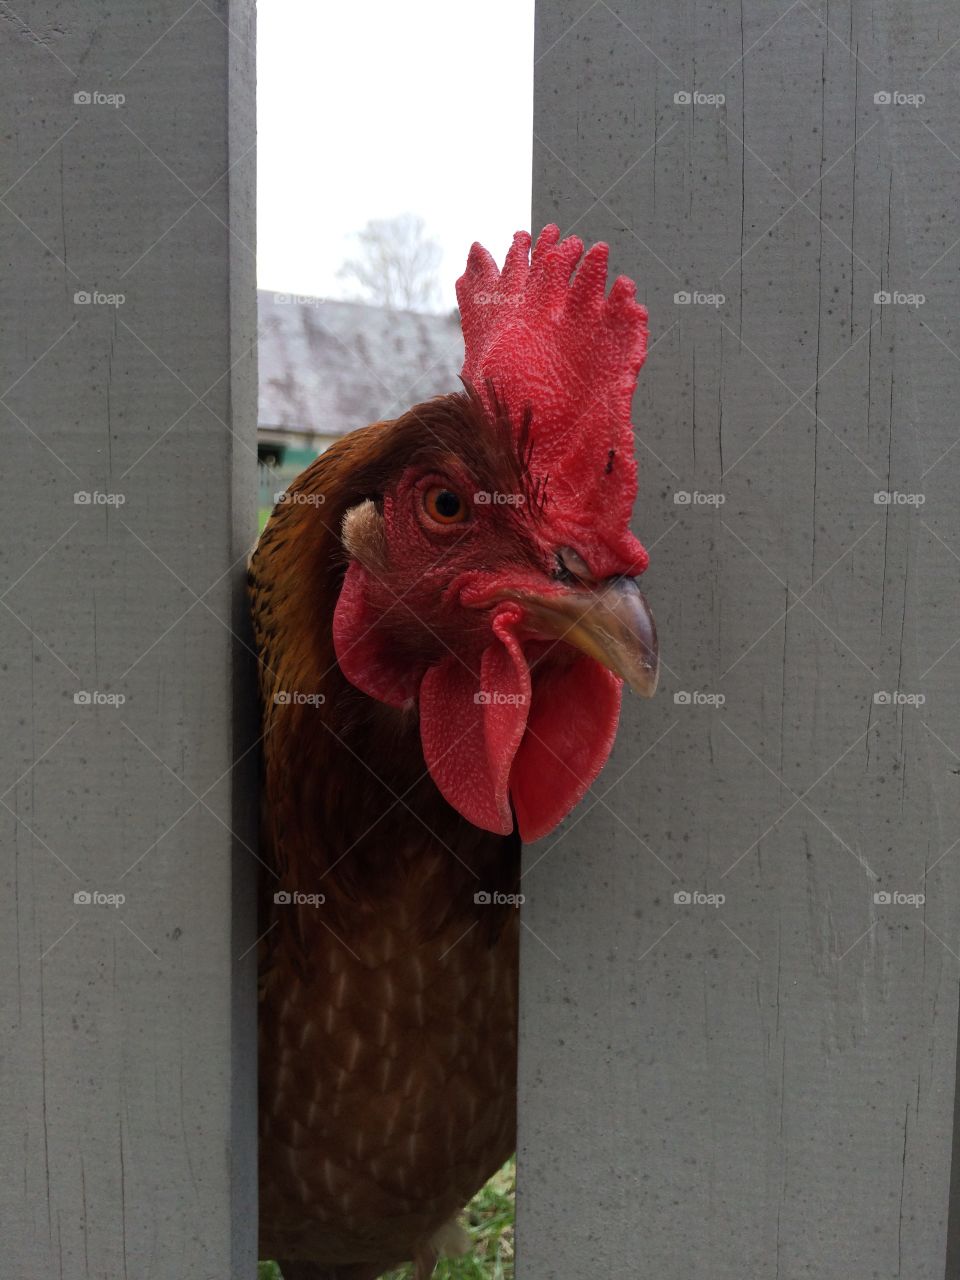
(397, 264)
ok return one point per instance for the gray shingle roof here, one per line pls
(332, 366)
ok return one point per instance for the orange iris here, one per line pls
(444, 506)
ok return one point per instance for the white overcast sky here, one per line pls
(367, 110)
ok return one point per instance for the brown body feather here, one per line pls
(388, 1013)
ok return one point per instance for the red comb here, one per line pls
(568, 354)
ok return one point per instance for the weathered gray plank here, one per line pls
(763, 1088)
(127, 1076)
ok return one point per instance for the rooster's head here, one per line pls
(491, 579)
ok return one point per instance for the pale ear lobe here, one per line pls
(363, 537)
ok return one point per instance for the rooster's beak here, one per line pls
(610, 621)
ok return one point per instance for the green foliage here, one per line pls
(489, 1220)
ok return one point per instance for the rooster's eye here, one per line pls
(444, 506)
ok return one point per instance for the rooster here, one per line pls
(445, 614)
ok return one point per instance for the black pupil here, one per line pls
(447, 504)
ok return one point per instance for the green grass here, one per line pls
(489, 1220)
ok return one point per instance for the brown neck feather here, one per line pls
(349, 809)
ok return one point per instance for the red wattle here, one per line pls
(491, 738)
(569, 735)
(471, 725)
(494, 739)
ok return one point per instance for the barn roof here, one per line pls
(330, 366)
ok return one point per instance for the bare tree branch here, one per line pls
(397, 264)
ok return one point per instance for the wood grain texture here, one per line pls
(127, 1080)
(764, 1087)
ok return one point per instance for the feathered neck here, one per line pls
(349, 808)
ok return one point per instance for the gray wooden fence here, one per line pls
(763, 1086)
(739, 1039)
(127, 403)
